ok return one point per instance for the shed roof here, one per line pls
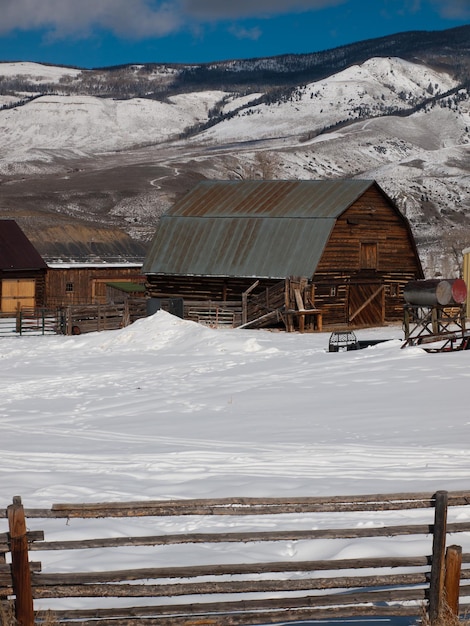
(16, 250)
(268, 229)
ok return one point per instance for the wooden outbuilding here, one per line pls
(91, 283)
(22, 270)
(338, 248)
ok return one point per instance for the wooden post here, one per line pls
(436, 588)
(20, 572)
(453, 565)
(406, 321)
(69, 324)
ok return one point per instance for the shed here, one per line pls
(349, 247)
(22, 270)
(71, 283)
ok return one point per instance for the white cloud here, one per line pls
(245, 33)
(139, 18)
(453, 9)
(219, 10)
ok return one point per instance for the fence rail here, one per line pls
(73, 319)
(226, 594)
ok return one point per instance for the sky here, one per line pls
(99, 33)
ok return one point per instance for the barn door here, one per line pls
(17, 292)
(366, 304)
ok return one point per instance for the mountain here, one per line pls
(89, 159)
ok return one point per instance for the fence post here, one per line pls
(436, 588)
(452, 578)
(20, 572)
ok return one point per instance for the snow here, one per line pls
(90, 124)
(373, 86)
(36, 72)
(167, 408)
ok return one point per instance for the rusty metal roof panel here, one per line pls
(260, 198)
(269, 229)
(260, 247)
(16, 250)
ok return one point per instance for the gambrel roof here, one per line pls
(262, 229)
(16, 250)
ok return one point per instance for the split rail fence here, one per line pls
(243, 593)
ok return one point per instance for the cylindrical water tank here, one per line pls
(434, 292)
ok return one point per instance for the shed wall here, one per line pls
(85, 285)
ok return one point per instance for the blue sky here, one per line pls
(97, 33)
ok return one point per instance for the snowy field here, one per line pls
(170, 409)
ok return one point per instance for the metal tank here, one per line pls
(436, 292)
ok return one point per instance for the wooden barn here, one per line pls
(92, 283)
(22, 270)
(338, 249)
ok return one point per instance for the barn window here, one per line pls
(368, 256)
(333, 291)
(68, 287)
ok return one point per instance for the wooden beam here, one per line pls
(20, 571)
(366, 303)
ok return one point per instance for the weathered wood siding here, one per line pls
(371, 232)
(202, 287)
(85, 285)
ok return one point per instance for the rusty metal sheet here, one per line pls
(260, 198)
(259, 247)
(269, 229)
(16, 251)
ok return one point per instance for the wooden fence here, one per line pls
(247, 592)
(73, 319)
(89, 318)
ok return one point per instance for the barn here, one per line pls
(22, 270)
(282, 250)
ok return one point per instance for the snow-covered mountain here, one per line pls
(113, 148)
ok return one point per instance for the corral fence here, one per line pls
(30, 322)
(89, 318)
(72, 320)
(228, 593)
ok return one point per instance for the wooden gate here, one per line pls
(17, 292)
(366, 304)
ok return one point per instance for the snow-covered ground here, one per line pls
(167, 408)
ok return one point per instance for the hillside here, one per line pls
(110, 149)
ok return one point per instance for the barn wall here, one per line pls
(371, 219)
(85, 285)
(370, 223)
(201, 287)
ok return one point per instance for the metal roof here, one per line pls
(16, 250)
(264, 229)
(274, 198)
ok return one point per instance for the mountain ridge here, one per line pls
(97, 160)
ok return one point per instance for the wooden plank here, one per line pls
(215, 608)
(222, 570)
(366, 303)
(247, 537)
(255, 618)
(247, 506)
(102, 590)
